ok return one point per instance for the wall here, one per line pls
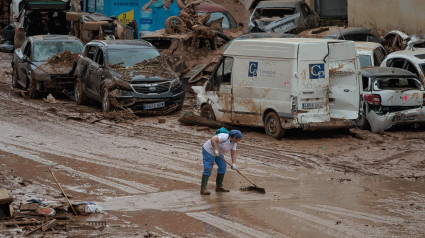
(383, 16)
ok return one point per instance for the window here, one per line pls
(365, 61)
(99, 57)
(379, 55)
(365, 82)
(27, 50)
(396, 62)
(89, 52)
(398, 84)
(224, 72)
(411, 67)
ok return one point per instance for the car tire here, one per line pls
(106, 102)
(32, 89)
(207, 112)
(80, 96)
(272, 126)
(15, 78)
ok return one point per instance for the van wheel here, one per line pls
(80, 97)
(106, 102)
(15, 78)
(207, 112)
(272, 126)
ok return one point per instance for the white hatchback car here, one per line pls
(411, 60)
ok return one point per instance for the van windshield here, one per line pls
(131, 56)
(398, 84)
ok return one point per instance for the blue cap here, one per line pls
(235, 134)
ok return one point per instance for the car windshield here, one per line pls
(44, 50)
(131, 56)
(365, 61)
(397, 83)
(228, 21)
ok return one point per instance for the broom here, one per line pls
(254, 188)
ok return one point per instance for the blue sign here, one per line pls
(252, 71)
(317, 71)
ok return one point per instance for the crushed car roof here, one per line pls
(283, 3)
(386, 71)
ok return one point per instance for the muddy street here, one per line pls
(145, 173)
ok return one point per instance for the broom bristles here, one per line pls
(255, 189)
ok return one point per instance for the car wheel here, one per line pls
(106, 102)
(80, 97)
(15, 78)
(272, 126)
(32, 89)
(207, 112)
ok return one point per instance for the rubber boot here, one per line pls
(204, 185)
(219, 184)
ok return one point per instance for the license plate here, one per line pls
(406, 118)
(311, 105)
(153, 105)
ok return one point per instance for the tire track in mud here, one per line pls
(234, 228)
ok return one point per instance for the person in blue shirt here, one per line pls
(161, 13)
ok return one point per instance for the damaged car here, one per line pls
(341, 33)
(44, 64)
(370, 53)
(127, 74)
(282, 17)
(411, 60)
(390, 96)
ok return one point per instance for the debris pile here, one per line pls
(60, 63)
(157, 66)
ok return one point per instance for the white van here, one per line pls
(284, 83)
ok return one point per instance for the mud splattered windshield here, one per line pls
(398, 84)
(44, 50)
(131, 56)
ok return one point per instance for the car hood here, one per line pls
(53, 69)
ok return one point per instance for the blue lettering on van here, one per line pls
(317, 71)
(253, 67)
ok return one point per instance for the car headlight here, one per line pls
(175, 83)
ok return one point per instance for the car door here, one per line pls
(89, 69)
(24, 65)
(98, 70)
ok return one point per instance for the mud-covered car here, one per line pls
(390, 96)
(45, 64)
(282, 16)
(127, 74)
(411, 60)
(341, 33)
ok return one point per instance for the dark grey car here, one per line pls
(44, 64)
(127, 74)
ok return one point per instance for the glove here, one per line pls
(234, 166)
(216, 154)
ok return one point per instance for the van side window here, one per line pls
(227, 70)
(223, 74)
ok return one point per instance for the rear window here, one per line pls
(398, 84)
(44, 50)
(365, 61)
(131, 56)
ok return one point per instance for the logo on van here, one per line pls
(252, 71)
(317, 71)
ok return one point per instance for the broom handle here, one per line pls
(63, 192)
(237, 171)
